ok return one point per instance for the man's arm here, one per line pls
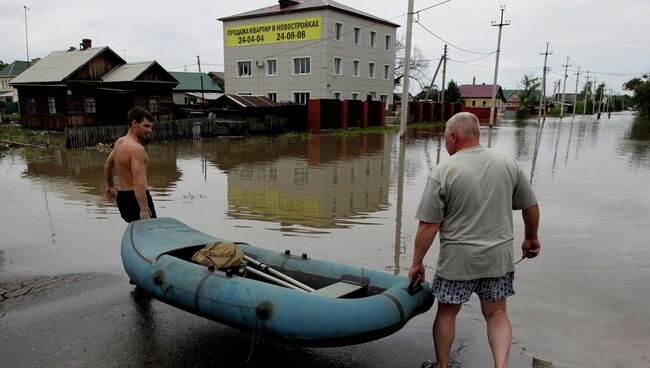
(531, 245)
(423, 239)
(138, 171)
(109, 166)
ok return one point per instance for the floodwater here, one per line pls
(583, 302)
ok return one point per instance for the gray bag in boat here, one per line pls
(220, 255)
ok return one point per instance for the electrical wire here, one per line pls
(449, 43)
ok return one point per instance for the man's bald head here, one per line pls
(462, 131)
(465, 124)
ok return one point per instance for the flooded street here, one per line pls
(583, 302)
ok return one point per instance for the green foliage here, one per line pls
(452, 93)
(527, 95)
(20, 135)
(641, 89)
(3, 65)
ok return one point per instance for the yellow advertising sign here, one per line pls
(303, 29)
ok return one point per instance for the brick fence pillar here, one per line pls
(313, 116)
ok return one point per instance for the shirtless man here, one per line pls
(130, 160)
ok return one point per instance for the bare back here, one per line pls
(130, 161)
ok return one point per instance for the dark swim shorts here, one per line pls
(459, 291)
(128, 205)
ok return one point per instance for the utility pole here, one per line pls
(407, 63)
(198, 61)
(434, 78)
(542, 100)
(600, 103)
(26, 38)
(442, 89)
(594, 88)
(496, 65)
(584, 104)
(566, 66)
(575, 101)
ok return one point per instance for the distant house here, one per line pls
(91, 86)
(480, 95)
(194, 87)
(512, 99)
(11, 71)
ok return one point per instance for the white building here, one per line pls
(297, 50)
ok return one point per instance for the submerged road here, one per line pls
(98, 320)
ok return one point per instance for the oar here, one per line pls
(267, 268)
(271, 278)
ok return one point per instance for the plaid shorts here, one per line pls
(459, 291)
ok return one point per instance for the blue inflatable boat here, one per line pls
(282, 297)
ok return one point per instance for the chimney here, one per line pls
(474, 80)
(285, 3)
(86, 43)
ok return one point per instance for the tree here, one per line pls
(452, 93)
(417, 66)
(3, 65)
(641, 89)
(527, 95)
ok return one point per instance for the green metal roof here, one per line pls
(14, 69)
(191, 82)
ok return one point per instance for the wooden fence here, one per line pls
(87, 136)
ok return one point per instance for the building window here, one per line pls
(387, 42)
(384, 99)
(373, 36)
(31, 105)
(302, 65)
(244, 68)
(473, 103)
(272, 67)
(338, 31)
(371, 70)
(51, 105)
(357, 35)
(337, 95)
(386, 71)
(91, 105)
(355, 68)
(154, 105)
(273, 96)
(301, 97)
(338, 70)
(355, 96)
(484, 103)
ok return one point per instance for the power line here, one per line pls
(449, 43)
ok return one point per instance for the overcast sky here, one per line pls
(609, 39)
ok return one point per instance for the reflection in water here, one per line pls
(637, 142)
(398, 249)
(144, 331)
(336, 185)
(49, 217)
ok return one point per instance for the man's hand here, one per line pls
(416, 273)
(111, 194)
(144, 214)
(530, 248)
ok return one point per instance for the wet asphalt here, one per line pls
(100, 320)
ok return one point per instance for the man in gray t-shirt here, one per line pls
(469, 199)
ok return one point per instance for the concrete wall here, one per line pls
(322, 81)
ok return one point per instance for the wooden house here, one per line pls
(91, 86)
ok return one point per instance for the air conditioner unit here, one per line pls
(259, 63)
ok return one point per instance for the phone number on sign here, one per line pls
(250, 39)
(290, 35)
